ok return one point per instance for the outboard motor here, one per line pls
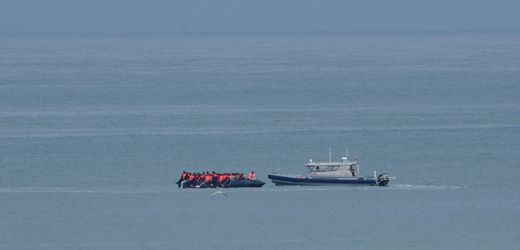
(383, 179)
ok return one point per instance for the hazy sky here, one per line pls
(174, 16)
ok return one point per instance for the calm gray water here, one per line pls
(94, 130)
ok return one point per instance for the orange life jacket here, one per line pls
(222, 178)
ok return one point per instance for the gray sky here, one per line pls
(174, 16)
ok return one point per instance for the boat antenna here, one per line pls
(330, 156)
(346, 152)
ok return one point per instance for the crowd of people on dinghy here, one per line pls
(211, 180)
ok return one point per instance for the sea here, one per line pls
(95, 129)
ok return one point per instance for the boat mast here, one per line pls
(330, 156)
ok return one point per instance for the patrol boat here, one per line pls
(344, 172)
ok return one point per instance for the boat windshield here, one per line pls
(325, 168)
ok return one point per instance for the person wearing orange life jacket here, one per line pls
(227, 180)
(214, 179)
(252, 176)
(188, 180)
(222, 178)
(183, 177)
(208, 180)
(199, 178)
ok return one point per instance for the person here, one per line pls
(183, 176)
(214, 179)
(208, 180)
(222, 179)
(252, 176)
(199, 179)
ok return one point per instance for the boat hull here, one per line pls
(279, 179)
(246, 184)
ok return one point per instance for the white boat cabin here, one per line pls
(345, 168)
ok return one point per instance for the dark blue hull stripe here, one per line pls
(288, 180)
